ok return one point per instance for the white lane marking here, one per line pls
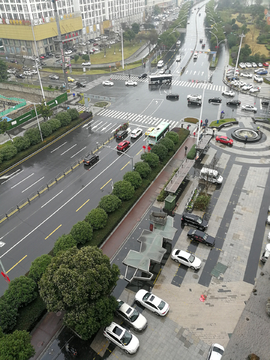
(56, 211)
(22, 181)
(59, 147)
(11, 176)
(33, 184)
(51, 199)
(78, 152)
(68, 149)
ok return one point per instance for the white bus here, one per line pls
(158, 133)
(160, 79)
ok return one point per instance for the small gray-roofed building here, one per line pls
(203, 143)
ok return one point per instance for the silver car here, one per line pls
(131, 316)
(187, 259)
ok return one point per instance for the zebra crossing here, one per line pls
(137, 119)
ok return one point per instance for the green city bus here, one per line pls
(158, 133)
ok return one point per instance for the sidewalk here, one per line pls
(52, 323)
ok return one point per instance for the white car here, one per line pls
(247, 75)
(131, 83)
(86, 63)
(258, 70)
(260, 65)
(11, 71)
(186, 258)
(108, 83)
(68, 52)
(228, 93)
(247, 87)
(152, 302)
(136, 133)
(54, 77)
(249, 108)
(178, 58)
(266, 253)
(242, 65)
(258, 78)
(131, 316)
(248, 65)
(242, 83)
(255, 89)
(122, 338)
(194, 97)
(215, 352)
(254, 65)
(160, 64)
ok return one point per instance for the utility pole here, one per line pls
(60, 43)
(241, 39)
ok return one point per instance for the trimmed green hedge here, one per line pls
(192, 153)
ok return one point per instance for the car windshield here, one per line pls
(199, 220)
(146, 296)
(218, 350)
(191, 258)
(134, 316)
(126, 338)
(161, 305)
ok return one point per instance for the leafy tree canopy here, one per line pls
(134, 178)
(82, 232)
(123, 189)
(97, 218)
(109, 203)
(16, 346)
(44, 110)
(3, 71)
(38, 267)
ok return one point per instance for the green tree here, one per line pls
(33, 135)
(76, 58)
(16, 346)
(1, 157)
(46, 129)
(64, 243)
(151, 159)
(8, 152)
(85, 57)
(97, 218)
(160, 151)
(129, 35)
(44, 110)
(134, 178)
(156, 10)
(109, 203)
(4, 126)
(8, 315)
(82, 232)
(39, 266)
(21, 143)
(124, 190)
(73, 114)
(143, 169)
(54, 124)
(173, 136)
(64, 117)
(168, 143)
(80, 282)
(3, 71)
(21, 291)
(135, 28)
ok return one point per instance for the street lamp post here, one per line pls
(38, 121)
(238, 54)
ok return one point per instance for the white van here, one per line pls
(211, 175)
(178, 43)
(160, 64)
(195, 56)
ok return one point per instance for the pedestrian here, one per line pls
(186, 149)
(246, 138)
(129, 76)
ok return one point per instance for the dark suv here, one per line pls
(172, 97)
(215, 100)
(234, 102)
(90, 159)
(194, 221)
(194, 102)
(142, 76)
(121, 134)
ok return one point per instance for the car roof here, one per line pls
(125, 308)
(115, 329)
(192, 216)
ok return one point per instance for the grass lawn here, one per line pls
(217, 123)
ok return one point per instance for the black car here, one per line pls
(234, 102)
(172, 97)
(20, 76)
(201, 237)
(194, 102)
(265, 103)
(90, 159)
(194, 221)
(142, 76)
(79, 84)
(215, 100)
(121, 134)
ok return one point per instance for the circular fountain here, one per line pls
(248, 135)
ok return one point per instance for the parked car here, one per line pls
(247, 75)
(136, 133)
(242, 65)
(248, 65)
(107, 83)
(262, 72)
(152, 302)
(123, 145)
(266, 253)
(201, 237)
(215, 352)
(122, 338)
(90, 159)
(258, 70)
(20, 76)
(131, 316)
(54, 77)
(265, 64)
(254, 65)
(254, 89)
(224, 140)
(121, 134)
(249, 108)
(258, 78)
(131, 83)
(260, 65)
(216, 100)
(194, 221)
(247, 87)
(228, 93)
(265, 103)
(234, 102)
(187, 259)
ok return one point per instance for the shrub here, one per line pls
(143, 169)
(21, 143)
(124, 190)
(64, 117)
(192, 153)
(21, 291)
(1, 157)
(64, 243)
(151, 159)
(38, 267)
(202, 202)
(160, 150)
(134, 178)
(54, 124)
(8, 315)
(33, 135)
(109, 203)
(46, 129)
(73, 114)
(168, 143)
(173, 136)
(97, 218)
(8, 152)
(82, 232)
